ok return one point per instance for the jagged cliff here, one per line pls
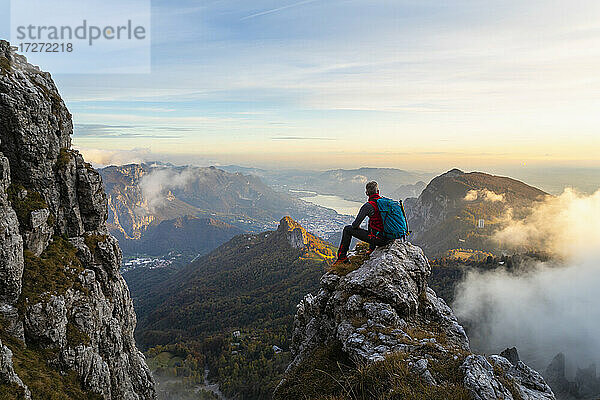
(300, 238)
(66, 317)
(375, 330)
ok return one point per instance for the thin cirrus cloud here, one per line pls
(278, 9)
(122, 131)
(300, 138)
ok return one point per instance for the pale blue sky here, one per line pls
(324, 83)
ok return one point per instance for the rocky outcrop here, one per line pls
(585, 386)
(296, 235)
(381, 309)
(300, 238)
(495, 377)
(61, 292)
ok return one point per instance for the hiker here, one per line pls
(374, 236)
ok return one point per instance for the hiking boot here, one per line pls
(343, 260)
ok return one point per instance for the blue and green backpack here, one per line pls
(395, 224)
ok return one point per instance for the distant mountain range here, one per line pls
(146, 203)
(463, 210)
(346, 183)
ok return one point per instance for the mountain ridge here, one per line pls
(141, 195)
(446, 215)
(254, 265)
(346, 183)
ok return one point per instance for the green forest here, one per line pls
(230, 312)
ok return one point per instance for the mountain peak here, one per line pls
(383, 319)
(454, 172)
(296, 235)
(300, 238)
(288, 224)
(448, 212)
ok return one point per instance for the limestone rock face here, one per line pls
(296, 235)
(60, 287)
(369, 308)
(487, 379)
(383, 307)
(128, 211)
(300, 238)
(11, 242)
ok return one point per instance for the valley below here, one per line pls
(236, 353)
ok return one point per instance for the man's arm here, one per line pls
(365, 211)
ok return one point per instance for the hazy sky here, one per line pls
(322, 83)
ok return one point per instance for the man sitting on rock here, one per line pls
(373, 236)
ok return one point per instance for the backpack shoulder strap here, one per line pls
(404, 215)
(374, 204)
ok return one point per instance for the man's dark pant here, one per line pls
(360, 234)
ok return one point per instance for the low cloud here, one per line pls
(101, 158)
(567, 226)
(485, 195)
(547, 307)
(159, 182)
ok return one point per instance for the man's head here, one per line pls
(372, 188)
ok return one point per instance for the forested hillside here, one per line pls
(251, 284)
(464, 210)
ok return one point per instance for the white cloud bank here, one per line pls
(485, 195)
(102, 158)
(567, 226)
(552, 307)
(156, 185)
